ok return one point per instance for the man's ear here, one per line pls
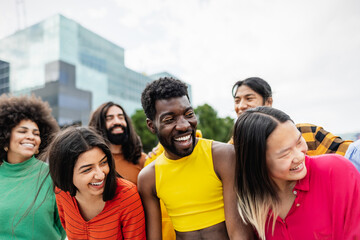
(150, 125)
(269, 102)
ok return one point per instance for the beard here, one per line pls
(170, 146)
(119, 138)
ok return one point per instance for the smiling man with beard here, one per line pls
(194, 177)
(111, 121)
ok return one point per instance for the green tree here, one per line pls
(211, 126)
(148, 139)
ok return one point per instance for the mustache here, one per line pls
(117, 125)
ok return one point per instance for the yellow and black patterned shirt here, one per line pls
(320, 141)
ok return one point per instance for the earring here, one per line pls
(37, 151)
(6, 149)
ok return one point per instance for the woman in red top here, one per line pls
(92, 202)
(285, 194)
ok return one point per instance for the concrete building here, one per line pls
(70, 66)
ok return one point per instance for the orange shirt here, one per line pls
(122, 217)
(128, 170)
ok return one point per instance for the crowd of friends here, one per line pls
(274, 179)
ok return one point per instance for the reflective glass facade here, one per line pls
(4, 77)
(99, 63)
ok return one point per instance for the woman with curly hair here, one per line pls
(27, 201)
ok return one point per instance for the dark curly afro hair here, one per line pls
(15, 109)
(163, 88)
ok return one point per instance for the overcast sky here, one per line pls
(308, 50)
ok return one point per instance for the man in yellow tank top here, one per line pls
(193, 177)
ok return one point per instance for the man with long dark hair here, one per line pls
(111, 121)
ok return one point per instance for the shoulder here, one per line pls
(146, 178)
(331, 165)
(222, 150)
(223, 158)
(124, 186)
(40, 165)
(142, 159)
(63, 197)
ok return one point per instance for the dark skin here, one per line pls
(175, 119)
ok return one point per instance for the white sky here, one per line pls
(308, 51)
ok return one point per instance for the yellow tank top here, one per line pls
(190, 189)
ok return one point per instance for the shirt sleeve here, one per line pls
(60, 210)
(353, 154)
(133, 218)
(320, 141)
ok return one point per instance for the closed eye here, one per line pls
(167, 120)
(189, 114)
(86, 170)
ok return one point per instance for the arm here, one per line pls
(147, 190)
(353, 154)
(320, 141)
(224, 164)
(345, 186)
(133, 220)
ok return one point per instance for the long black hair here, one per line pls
(64, 151)
(256, 191)
(257, 84)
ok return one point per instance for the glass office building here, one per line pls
(98, 65)
(4, 77)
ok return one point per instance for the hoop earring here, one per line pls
(6, 149)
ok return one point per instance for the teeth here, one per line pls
(185, 138)
(28, 145)
(296, 168)
(97, 184)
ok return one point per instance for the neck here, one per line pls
(87, 198)
(285, 186)
(116, 149)
(14, 159)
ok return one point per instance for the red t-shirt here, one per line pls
(327, 204)
(122, 217)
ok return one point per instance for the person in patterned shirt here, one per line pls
(254, 92)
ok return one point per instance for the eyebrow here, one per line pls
(110, 115)
(246, 95)
(26, 128)
(88, 165)
(284, 150)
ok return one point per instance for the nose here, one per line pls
(299, 155)
(182, 124)
(99, 174)
(116, 120)
(243, 105)
(30, 136)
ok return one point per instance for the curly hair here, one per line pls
(163, 88)
(132, 149)
(15, 109)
